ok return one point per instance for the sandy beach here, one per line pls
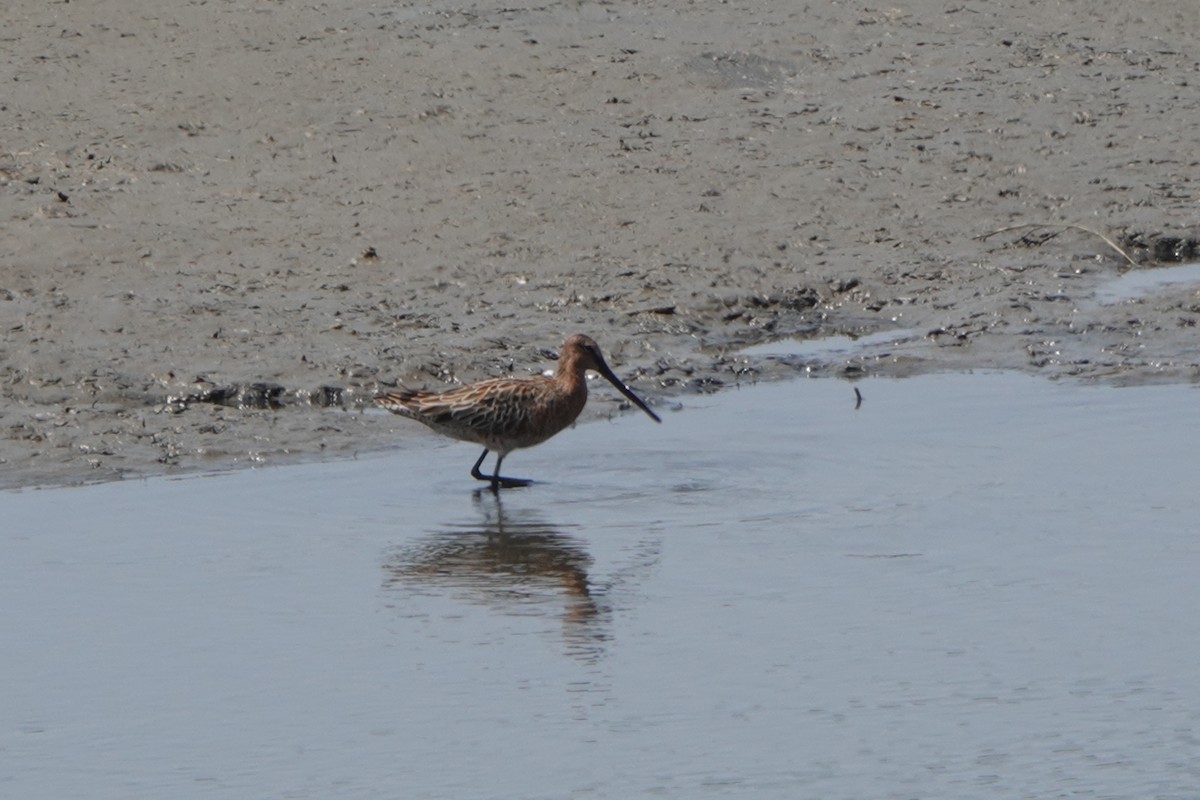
(227, 225)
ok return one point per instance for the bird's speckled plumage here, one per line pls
(504, 414)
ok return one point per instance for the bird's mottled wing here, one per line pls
(494, 409)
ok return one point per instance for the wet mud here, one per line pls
(202, 270)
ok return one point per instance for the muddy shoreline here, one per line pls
(226, 227)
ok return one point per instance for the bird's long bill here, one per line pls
(625, 390)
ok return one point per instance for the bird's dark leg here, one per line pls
(475, 473)
(499, 481)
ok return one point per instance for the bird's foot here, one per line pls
(502, 482)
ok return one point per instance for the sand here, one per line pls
(227, 224)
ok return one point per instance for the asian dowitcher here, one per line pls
(504, 414)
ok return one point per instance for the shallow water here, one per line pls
(831, 347)
(971, 584)
(1142, 282)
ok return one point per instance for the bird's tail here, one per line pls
(396, 400)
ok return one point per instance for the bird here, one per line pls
(504, 414)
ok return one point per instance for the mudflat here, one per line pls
(226, 225)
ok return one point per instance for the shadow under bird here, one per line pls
(504, 414)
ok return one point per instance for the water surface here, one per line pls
(831, 347)
(972, 585)
(1139, 283)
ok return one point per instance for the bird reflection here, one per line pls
(513, 563)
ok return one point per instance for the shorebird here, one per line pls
(504, 414)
